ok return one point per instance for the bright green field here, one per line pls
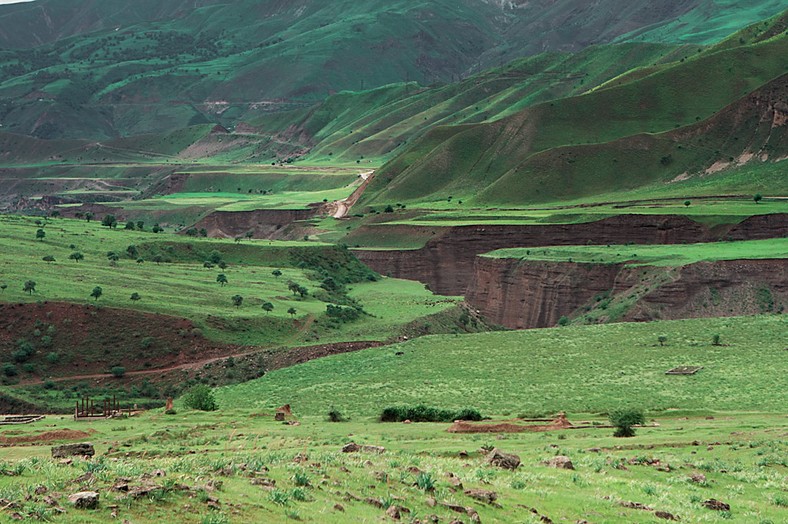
(574, 369)
(185, 288)
(653, 255)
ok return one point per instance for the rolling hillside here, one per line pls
(532, 155)
(105, 69)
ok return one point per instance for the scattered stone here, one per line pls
(339, 507)
(407, 422)
(343, 469)
(393, 512)
(413, 470)
(698, 478)
(279, 417)
(84, 500)
(473, 515)
(665, 515)
(139, 492)
(594, 450)
(716, 505)
(381, 476)
(374, 502)
(636, 505)
(121, 486)
(431, 502)
(84, 449)
(463, 454)
(85, 478)
(40, 490)
(65, 462)
(503, 460)
(560, 462)
(373, 449)
(350, 447)
(454, 507)
(50, 501)
(488, 497)
(454, 481)
(301, 457)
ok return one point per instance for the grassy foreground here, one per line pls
(574, 369)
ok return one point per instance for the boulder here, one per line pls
(716, 505)
(560, 462)
(482, 494)
(665, 515)
(393, 512)
(498, 458)
(84, 500)
(84, 449)
(350, 447)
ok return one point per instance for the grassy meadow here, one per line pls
(183, 287)
(653, 255)
(575, 369)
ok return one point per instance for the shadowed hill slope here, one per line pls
(93, 69)
(463, 160)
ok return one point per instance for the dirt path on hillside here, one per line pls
(341, 208)
(278, 360)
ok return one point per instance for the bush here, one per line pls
(118, 371)
(201, 398)
(9, 370)
(334, 415)
(423, 413)
(624, 419)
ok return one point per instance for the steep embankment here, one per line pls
(532, 294)
(261, 223)
(446, 262)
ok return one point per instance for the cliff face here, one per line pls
(522, 295)
(446, 263)
(262, 223)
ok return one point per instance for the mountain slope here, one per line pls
(463, 160)
(89, 69)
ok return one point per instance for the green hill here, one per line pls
(553, 150)
(105, 69)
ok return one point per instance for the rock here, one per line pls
(373, 449)
(560, 462)
(139, 492)
(473, 515)
(698, 478)
(463, 454)
(350, 447)
(339, 507)
(483, 495)
(374, 502)
(594, 450)
(454, 507)
(40, 490)
(393, 512)
(84, 500)
(431, 502)
(279, 417)
(636, 505)
(498, 458)
(716, 505)
(84, 449)
(454, 481)
(665, 515)
(381, 476)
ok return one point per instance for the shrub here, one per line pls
(563, 321)
(200, 397)
(118, 371)
(624, 419)
(334, 415)
(423, 413)
(9, 370)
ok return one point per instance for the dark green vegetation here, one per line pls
(423, 413)
(106, 69)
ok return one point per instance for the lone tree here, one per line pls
(624, 419)
(76, 256)
(662, 339)
(135, 297)
(200, 397)
(687, 203)
(267, 307)
(238, 300)
(40, 234)
(29, 287)
(277, 273)
(757, 197)
(109, 221)
(222, 279)
(3, 287)
(97, 292)
(89, 216)
(292, 311)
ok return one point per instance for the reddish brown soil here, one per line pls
(461, 426)
(45, 437)
(523, 295)
(263, 223)
(446, 262)
(91, 340)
